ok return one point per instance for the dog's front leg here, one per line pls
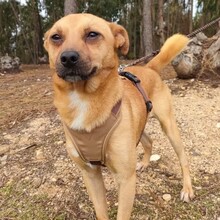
(126, 196)
(124, 171)
(96, 190)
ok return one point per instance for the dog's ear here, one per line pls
(46, 35)
(121, 38)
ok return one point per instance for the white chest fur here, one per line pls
(81, 107)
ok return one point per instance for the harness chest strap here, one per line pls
(91, 145)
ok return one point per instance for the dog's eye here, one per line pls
(56, 38)
(92, 35)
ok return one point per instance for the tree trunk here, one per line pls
(38, 37)
(147, 27)
(70, 7)
(22, 31)
(161, 21)
(201, 58)
(190, 3)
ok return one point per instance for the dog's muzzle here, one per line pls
(72, 68)
(69, 58)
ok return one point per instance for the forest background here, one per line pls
(148, 22)
(37, 178)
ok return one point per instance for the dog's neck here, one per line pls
(87, 104)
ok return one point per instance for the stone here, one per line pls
(4, 159)
(9, 64)
(37, 182)
(40, 154)
(154, 157)
(43, 60)
(166, 197)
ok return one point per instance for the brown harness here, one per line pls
(137, 82)
(91, 146)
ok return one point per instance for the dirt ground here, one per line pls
(38, 181)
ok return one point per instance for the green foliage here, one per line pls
(8, 29)
(109, 10)
(210, 8)
(53, 11)
(22, 26)
(207, 10)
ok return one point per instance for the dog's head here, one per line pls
(80, 45)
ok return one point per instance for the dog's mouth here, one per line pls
(76, 74)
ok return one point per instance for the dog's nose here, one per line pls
(69, 58)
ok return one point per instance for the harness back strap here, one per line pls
(91, 146)
(137, 82)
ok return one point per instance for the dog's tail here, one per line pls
(171, 48)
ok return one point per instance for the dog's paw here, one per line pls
(141, 166)
(187, 195)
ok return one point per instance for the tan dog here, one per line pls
(83, 56)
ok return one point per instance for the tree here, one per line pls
(70, 7)
(147, 28)
(17, 15)
(8, 31)
(190, 10)
(148, 22)
(161, 21)
(38, 37)
(54, 11)
(207, 11)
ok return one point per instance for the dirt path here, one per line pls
(38, 181)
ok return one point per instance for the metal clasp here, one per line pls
(121, 68)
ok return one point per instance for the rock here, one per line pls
(195, 153)
(154, 157)
(198, 187)
(40, 154)
(4, 159)
(9, 64)
(167, 197)
(43, 60)
(37, 182)
(6, 62)
(53, 179)
(60, 142)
